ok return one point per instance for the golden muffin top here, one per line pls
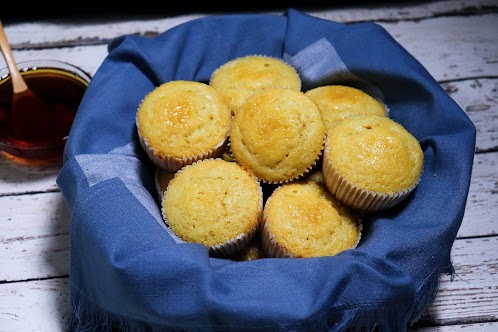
(375, 153)
(337, 102)
(180, 119)
(212, 201)
(278, 134)
(239, 78)
(307, 221)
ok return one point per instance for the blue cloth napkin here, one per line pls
(129, 273)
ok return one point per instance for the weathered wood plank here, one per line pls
(18, 213)
(451, 47)
(472, 297)
(36, 223)
(35, 306)
(98, 29)
(16, 178)
(404, 10)
(482, 327)
(463, 47)
(34, 236)
(88, 58)
(480, 218)
(459, 50)
(479, 99)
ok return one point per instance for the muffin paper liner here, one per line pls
(108, 186)
(359, 198)
(271, 246)
(274, 249)
(173, 164)
(234, 245)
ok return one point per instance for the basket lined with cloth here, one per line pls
(129, 272)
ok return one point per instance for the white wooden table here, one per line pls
(457, 41)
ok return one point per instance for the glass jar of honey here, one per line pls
(61, 86)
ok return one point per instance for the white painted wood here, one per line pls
(472, 296)
(451, 53)
(23, 226)
(34, 229)
(483, 327)
(402, 10)
(17, 178)
(97, 28)
(88, 58)
(456, 41)
(481, 211)
(451, 47)
(34, 236)
(35, 306)
(479, 99)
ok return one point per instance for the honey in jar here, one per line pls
(61, 88)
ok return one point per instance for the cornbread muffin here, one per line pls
(337, 102)
(237, 79)
(216, 203)
(180, 122)
(302, 219)
(278, 134)
(371, 162)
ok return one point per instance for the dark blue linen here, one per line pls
(129, 273)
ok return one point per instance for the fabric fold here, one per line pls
(128, 271)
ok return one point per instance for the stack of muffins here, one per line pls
(251, 166)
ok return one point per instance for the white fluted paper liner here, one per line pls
(240, 242)
(173, 164)
(273, 248)
(304, 173)
(229, 248)
(358, 198)
(232, 246)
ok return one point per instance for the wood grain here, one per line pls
(34, 237)
(479, 327)
(480, 218)
(479, 99)
(21, 179)
(99, 30)
(450, 54)
(34, 306)
(456, 41)
(473, 295)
